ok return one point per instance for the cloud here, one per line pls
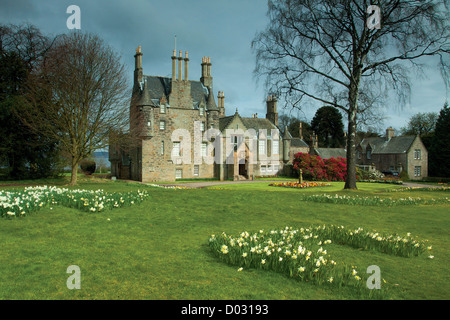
(222, 30)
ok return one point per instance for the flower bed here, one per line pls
(303, 253)
(22, 203)
(372, 201)
(299, 185)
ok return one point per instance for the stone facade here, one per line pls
(170, 117)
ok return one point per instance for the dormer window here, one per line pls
(369, 154)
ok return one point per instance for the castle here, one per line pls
(184, 134)
(180, 132)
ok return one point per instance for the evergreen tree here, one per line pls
(327, 124)
(439, 153)
(24, 154)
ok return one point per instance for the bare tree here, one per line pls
(329, 51)
(421, 124)
(79, 96)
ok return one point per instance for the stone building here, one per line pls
(178, 131)
(391, 154)
(182, 133)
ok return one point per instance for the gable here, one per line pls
(232, 122)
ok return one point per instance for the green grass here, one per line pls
(159, 249)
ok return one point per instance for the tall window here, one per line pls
(262, 146)
(178, 173)
(202, 111)
(162, 125)
(162, 148)
(275, 146)
(162, 109)
(417, 171)
(417, 154)
(176, 149)
(204, 148)
(369, 154)
(202, 126)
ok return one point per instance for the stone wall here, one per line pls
(161, 167)
(422, 162)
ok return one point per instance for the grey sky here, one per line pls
(220, 29)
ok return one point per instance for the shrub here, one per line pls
(336, 169)
(88, 166)
(315, 168)
(403, 176)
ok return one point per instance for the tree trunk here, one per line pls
(350, 182)
(74, 176)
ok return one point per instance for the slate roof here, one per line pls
(327, 153)
(249, 123)
(258, 123)
(394, 145)
(154, 88)
(298, 143)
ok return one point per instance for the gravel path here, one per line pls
(210, 183)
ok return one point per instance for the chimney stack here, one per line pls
(180, 72)
(221, 102)
(206, 78)
(389, 133)
(138, 71)
(174, 65)
(186, 67)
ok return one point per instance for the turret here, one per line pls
(272, 114)
(212, 110)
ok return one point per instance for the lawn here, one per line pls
(159, 248)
